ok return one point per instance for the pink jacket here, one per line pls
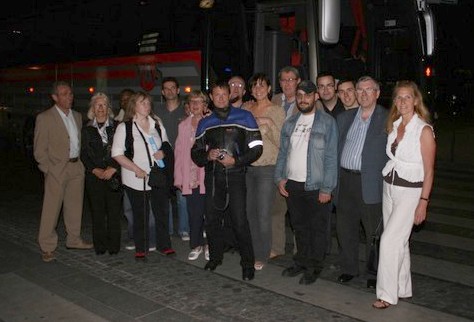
(182, 158)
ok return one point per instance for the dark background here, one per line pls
(38, 31)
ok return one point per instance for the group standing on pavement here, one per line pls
(238, 167)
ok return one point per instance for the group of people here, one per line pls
(238, 167)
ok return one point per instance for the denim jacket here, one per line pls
(321, 172)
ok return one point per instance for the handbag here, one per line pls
(157, 178)
(373, 262)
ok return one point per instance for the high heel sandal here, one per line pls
(380, 304)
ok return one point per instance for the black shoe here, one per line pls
(371, 283)
(293, 271)
(248, 273)
(100, 252)
(309, 277)
(211, 265)
(344, 278)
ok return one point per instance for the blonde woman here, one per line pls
(102, 179)
(188, 177)
(408, 179)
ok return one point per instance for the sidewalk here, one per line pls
(81, 286)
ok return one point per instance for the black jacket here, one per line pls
(95, 154)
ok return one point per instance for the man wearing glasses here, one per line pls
(237, 91)
(326, 83)
(362, 141)
(289, 78)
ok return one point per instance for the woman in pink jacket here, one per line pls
(188, 177)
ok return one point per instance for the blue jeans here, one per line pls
(183, 218)
(127, 211)
(196, 203)
(260, 197)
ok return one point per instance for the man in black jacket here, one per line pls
(227, 142)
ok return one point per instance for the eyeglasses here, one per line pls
(287, 80)
(328, 86)
(369, 90)
(239, 85)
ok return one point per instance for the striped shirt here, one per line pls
(351, 157)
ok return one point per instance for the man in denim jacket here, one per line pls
(306, 174)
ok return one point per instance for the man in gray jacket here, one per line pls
(306, 174)
(362, 142)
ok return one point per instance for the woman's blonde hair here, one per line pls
(420, 107)
(94, 98)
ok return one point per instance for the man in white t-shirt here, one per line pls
(306, 174)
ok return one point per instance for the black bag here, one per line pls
(157, 177)
(373, 262)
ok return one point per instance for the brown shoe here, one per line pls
(81, 245)
(48, 257)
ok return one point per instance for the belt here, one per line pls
(351, 171)
(74, 159)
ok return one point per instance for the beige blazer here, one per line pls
(51, 142)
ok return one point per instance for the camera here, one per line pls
(222, 154)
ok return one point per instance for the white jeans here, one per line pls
(393, 275)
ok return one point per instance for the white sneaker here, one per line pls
(130, 246)
(194, 254)
(184, 236)
(206, 252)
(152, 249)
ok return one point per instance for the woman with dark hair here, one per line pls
(408, 179)
(102, 182)
(260, 184)
(140, 144)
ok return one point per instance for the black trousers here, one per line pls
(309, 220)
(215, 204)
(105, 205)
(140, 201)
(351, 212)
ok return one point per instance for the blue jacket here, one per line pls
(234, 130)
(321, 172)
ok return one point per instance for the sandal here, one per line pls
(274, 255)
(380, 304)
(258, 266)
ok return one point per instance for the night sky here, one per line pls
(455, 29)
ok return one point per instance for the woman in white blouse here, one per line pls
(408, 179)
(139, 143)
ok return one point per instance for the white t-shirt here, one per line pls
(298, 150)
(140, 157)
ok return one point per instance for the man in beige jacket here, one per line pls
(56, 149)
